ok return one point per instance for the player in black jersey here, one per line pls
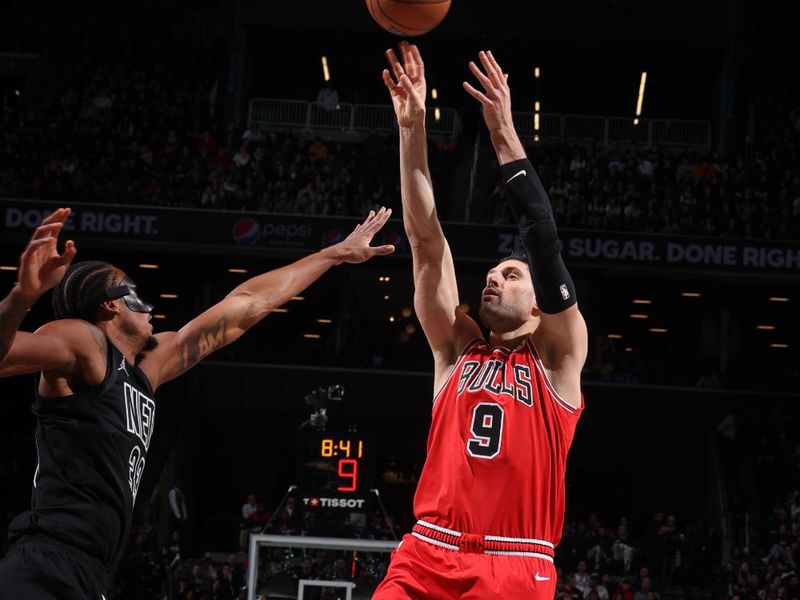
(100, 365)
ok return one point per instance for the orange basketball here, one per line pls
(408, 17)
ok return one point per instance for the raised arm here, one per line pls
(563, 330)
(253, 300)
(40, 268)
(435, 289)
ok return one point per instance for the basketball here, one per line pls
(408, 17)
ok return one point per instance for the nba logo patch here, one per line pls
(564, 291)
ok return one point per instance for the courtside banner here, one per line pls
(260, 234)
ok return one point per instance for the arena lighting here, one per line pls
(642, 301)
(437, 114)
(536, 73)
(410, 329)
(406, 312)
(325, 321)
(280, 310)
(628, 349)
(386, 297)
(614, 336)
(690, 294)
(642, 83)
(298, 298)
(434, 94)
(326, 75)
(766, 327)
(168, 296)
(148, 266)
(159, 316)
(778, 299)
(391, 319)
(232, 270)
(312, 336)
(779, 345)
(639, 316)
(7, 268)
(657, 330)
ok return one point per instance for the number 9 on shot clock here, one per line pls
(336, 462)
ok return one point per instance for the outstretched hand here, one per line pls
(407, 88)
(496, 96)
(355, 248)
(41, 267)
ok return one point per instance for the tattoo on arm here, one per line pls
(202, 344)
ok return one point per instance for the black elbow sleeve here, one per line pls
(552, 283)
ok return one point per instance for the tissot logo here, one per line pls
(315, 502)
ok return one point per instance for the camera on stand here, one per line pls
(318, 399)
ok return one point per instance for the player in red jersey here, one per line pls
(490, 501)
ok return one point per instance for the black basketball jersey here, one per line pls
(91, 450)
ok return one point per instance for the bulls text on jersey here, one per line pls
(493, 377)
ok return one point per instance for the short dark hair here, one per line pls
(82, 282)
(519, 255)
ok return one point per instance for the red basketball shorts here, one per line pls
(420, 570)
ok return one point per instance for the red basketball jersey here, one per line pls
(497, 447)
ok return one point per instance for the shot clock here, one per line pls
(336, 462)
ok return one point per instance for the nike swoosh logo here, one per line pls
(538, 577)
(517, 174)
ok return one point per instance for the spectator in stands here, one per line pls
(317, 151)
(622, 550)
(242, 157)
(328, 97)
(306, 570)
(249, 507)
(254, 523)
(600, 554)
(793, 586)
(582, 578)
(644, 573)
(623, 592)
(644, 590)
(171, 557)
(569, 591)
(177, 505)
(228, 581)
(222, 589)
(237, 575)
(597, 587)
(198, 581)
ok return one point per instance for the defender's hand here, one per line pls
(496, 98)
(408, 88)
(355, 248)
(41, 267)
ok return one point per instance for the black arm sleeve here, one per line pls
(555, 291)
